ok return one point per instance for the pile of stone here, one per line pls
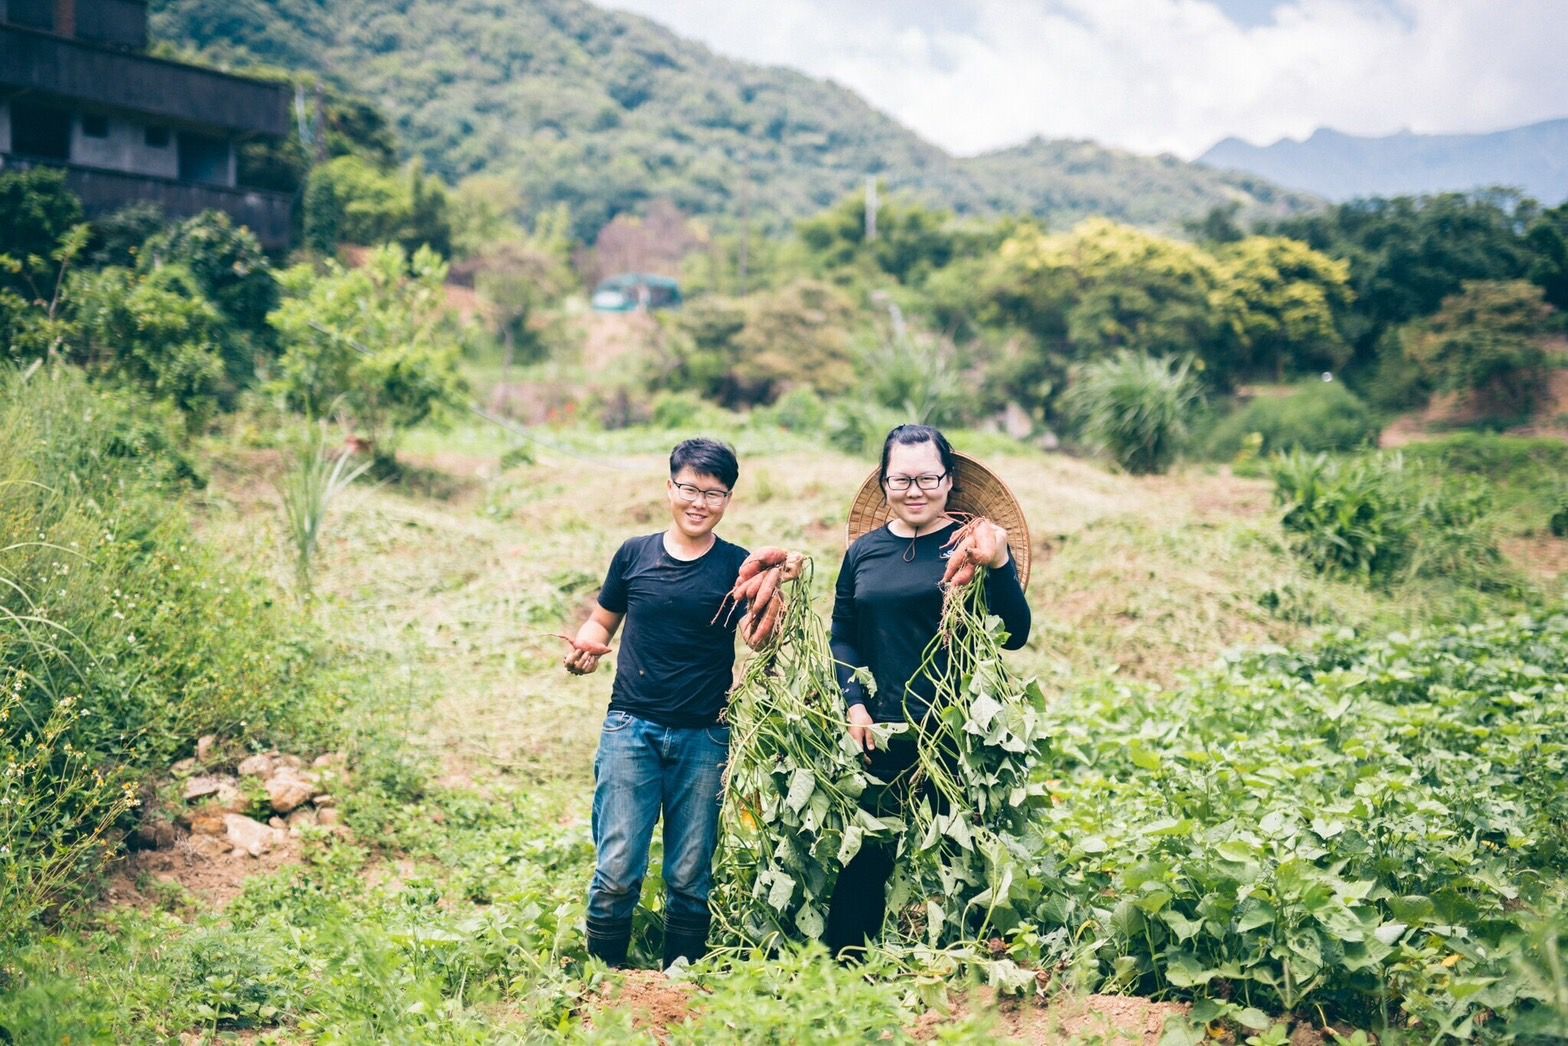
(254, 806)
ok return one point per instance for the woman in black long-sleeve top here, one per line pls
(888, 606)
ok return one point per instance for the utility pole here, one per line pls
(743, 258)
(871, 207)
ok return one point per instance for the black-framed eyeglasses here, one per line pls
(689, 494)
(927, 483)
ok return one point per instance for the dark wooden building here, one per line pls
(79, 91)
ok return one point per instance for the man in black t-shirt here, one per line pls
(662, 748)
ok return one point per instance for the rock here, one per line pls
(324, 800)
(276, 822)
(1016, 421)
(293, 762)
(209, 821)
(304, 817)
(250, 836)
(326, 759)
(232, 799)
(204, 746)
(207, 845)
(259, 765)
(201, 787)
(155, 834)
(287, 790)
(183, 768)
(328, 817)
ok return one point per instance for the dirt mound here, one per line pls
(657, 1005)
(165, 878)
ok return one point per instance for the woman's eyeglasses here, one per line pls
(926, 483)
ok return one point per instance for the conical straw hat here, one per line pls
(980, 492)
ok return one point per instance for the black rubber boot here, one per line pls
(608, 941)
(685, 938)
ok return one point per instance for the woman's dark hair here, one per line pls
(706, 457)
(911, 434)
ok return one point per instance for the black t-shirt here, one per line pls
(676, 663)
(888, 605)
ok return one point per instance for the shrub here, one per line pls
(232, 272)
(1378, 519)
(859, 428)
(688, 411)
(36, 210)
(1318, 416)
(1135, 407)
(1488, 340)
(799, 410)
(915, 374)
(746, 353)
(376, 339)
(118, 238)
(156, 331)
(350, 200)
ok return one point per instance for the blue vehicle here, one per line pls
(636, 292)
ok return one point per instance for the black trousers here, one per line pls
(859, 902)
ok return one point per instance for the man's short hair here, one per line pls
(706, 457)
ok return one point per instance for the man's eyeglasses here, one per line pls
(689, 494)
(926, 483)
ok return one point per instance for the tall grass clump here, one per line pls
(121, 638)
(314, 481)
(1380, 519)
(1136, 408)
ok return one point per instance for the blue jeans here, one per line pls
(642, 769)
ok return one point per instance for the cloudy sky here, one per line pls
(1158, 75)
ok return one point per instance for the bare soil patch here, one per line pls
(1449, 411)
(213, 878)
(655, 1002)
(657, 1005)
(1545, 558)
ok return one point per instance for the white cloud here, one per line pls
(1158, 75)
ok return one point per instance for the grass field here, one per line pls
(451, 914)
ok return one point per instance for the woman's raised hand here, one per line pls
(860, 723)
(978, 543)
(989, 542)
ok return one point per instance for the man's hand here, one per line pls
(860, 723)
(591, 642)
(583, 660)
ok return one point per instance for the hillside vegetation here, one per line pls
(602, 111)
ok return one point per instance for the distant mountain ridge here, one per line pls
(1338, 166)
(605, 111)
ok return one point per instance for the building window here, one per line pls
(95, 125)
(34, 14)
(42, 131)
(156, 137)
(203, 158)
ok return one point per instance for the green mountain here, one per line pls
(604, 110)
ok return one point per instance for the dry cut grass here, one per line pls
(451, 583)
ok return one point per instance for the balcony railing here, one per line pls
(267, 214)
(70, 69)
